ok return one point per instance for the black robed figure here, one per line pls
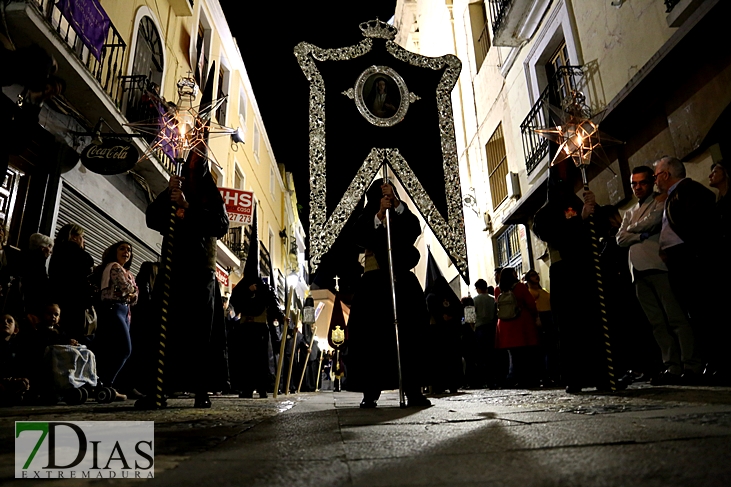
(372, 359)
(574, 304)
(195, 352)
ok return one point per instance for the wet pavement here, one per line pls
(645, 436)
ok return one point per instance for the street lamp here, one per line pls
(292, 279)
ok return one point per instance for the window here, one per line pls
(242, 109)
(508, 249)
(146, 74)
(480, 33)
(239, 178)
(272, 175)
(202, 47)
(223, 76)
(257, 142)
(563, 83)
(497, 166)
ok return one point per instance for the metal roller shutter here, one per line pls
(100, 231)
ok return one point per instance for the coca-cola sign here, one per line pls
(112, 156)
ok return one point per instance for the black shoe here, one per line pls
(202, 401)
(367, 404)
(418, 401)
(246, 395)
(573, 389)
(263, 395)
(666, 378)
(690, 378)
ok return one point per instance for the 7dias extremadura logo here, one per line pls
(84, 449)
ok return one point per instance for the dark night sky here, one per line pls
(267, 38)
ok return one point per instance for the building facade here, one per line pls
(146, 49)
(654, 73)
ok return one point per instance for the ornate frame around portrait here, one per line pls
(323, 230)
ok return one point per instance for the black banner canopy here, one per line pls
(375, 103)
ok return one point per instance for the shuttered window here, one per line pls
(100, 231)
(497, 166)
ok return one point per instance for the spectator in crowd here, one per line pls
(640, 233)
(113, 344)
(69, 271)
(143, 333)
(446, 312)
(690, 227)
(546, 329)
(34, 277)
(516, 329)
(485, 323)
(13, 381)
(563, 224)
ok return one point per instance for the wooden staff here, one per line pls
(304, 369)
(283, 341)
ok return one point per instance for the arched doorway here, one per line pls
(147, 71)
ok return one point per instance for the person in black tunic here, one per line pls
(562, 223)
(195, 351)
(371, 316)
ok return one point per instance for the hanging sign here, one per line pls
(89, 21)
(239, 205)
(221, 275)
(112, 156)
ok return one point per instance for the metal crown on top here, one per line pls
(378, 29)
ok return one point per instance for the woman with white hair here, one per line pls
(34, 277)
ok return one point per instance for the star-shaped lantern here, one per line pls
(182, 127)
(577, 135)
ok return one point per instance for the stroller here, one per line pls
(73, 375)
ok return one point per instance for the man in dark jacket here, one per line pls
(689, 232)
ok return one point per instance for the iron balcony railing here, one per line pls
(670, 5)
(237, 240)
(498, 9)
(138, 105)
(535, 147)
(108, 69)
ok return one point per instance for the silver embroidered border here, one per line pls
(324, 231)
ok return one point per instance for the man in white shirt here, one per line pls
(640, 231)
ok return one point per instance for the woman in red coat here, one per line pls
(516, 329)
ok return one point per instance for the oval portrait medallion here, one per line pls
(381, 96)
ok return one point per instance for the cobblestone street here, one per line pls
(644, 436)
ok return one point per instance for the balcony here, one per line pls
(535, 147)
(515, 21)
(95, 88)
(670, 5)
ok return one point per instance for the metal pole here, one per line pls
(600, 288)
(282, 343)
(302, 377)
(402, 397)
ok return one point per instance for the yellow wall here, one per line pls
(178, 35)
